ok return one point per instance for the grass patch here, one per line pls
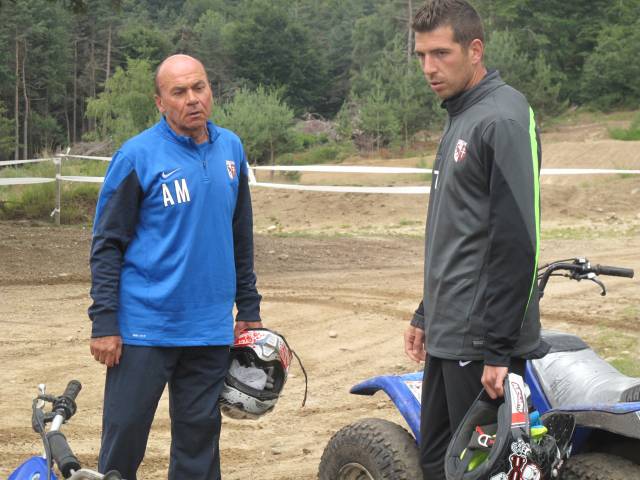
(318, 154)
(422, 163)
(406, 223)
(356, 233)
(622, 134)
(628, 366)
(586, 115)
(587, 233)
(617, 348)
(36, 202)
(630, 134)
(631, 312)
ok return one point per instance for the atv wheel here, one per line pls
(599, 466)
(371, 449)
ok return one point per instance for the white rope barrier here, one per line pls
(358, 169)
(411, 190)
(586, 171)
(85, 157)
(345, 189)
(25, 180)
(341, 169)
(73, 178)
(19, 162)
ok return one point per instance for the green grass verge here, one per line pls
(318, 154)
(586, 115)
(36, 202)
(588, 233)
(618, 349)
(630, 134)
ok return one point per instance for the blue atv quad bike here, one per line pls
(570, 379)
(56, 447)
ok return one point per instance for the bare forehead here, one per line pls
(440, 37)
(181, 69)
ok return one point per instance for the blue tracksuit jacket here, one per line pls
(172, 242)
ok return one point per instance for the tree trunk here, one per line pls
(409, 32)
(108, 56)
(25, 127)
(75, 91)
(17, 100)
(66, 117)
(92, 74)
(406, 136)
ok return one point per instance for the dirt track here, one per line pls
(343, 262)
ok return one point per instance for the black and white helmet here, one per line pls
(260, 360)
(496, 440)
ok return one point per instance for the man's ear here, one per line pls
(476, 51)
(159, 104)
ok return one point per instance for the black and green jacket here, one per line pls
(483, 230)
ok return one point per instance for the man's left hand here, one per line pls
(241, 325)
(493, 380)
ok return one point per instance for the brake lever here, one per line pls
(603, 289)
(593, 277)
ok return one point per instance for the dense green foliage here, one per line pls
(74, 69)
(261, 119)
(126, 105)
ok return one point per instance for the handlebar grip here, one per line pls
(65, 404)
(72, 390)
(614, 271)
(62, 454)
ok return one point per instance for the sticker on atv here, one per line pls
(415, 387)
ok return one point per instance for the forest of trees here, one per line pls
(74, 70)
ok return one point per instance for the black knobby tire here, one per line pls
(371, 449)
(600, 466)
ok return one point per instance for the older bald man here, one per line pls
(172, 253)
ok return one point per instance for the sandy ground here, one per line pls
(347, 263)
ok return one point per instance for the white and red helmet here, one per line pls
(260, 360)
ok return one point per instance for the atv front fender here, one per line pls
(404, 391)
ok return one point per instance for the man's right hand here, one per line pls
(414, 344)
(107, 350)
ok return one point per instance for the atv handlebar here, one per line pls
(579, 269)
(613, 271)
(65, 404)
(56, 445)
(72, 390)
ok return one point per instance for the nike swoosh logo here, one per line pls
(167, 175)
(464, 364)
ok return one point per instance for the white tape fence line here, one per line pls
(73, 178)
(25, 180)
(340, 169)
(411, 190)
(6, 163)
(84, 157)
(346, 189)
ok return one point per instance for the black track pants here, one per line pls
(448, 390)
(132, 390)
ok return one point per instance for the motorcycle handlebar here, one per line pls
(72, 390)
(65, 404)
(613, 271)
(62, 454)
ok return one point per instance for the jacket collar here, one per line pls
(168, 132)
(463, 100)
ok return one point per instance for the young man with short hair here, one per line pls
(479, 317)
